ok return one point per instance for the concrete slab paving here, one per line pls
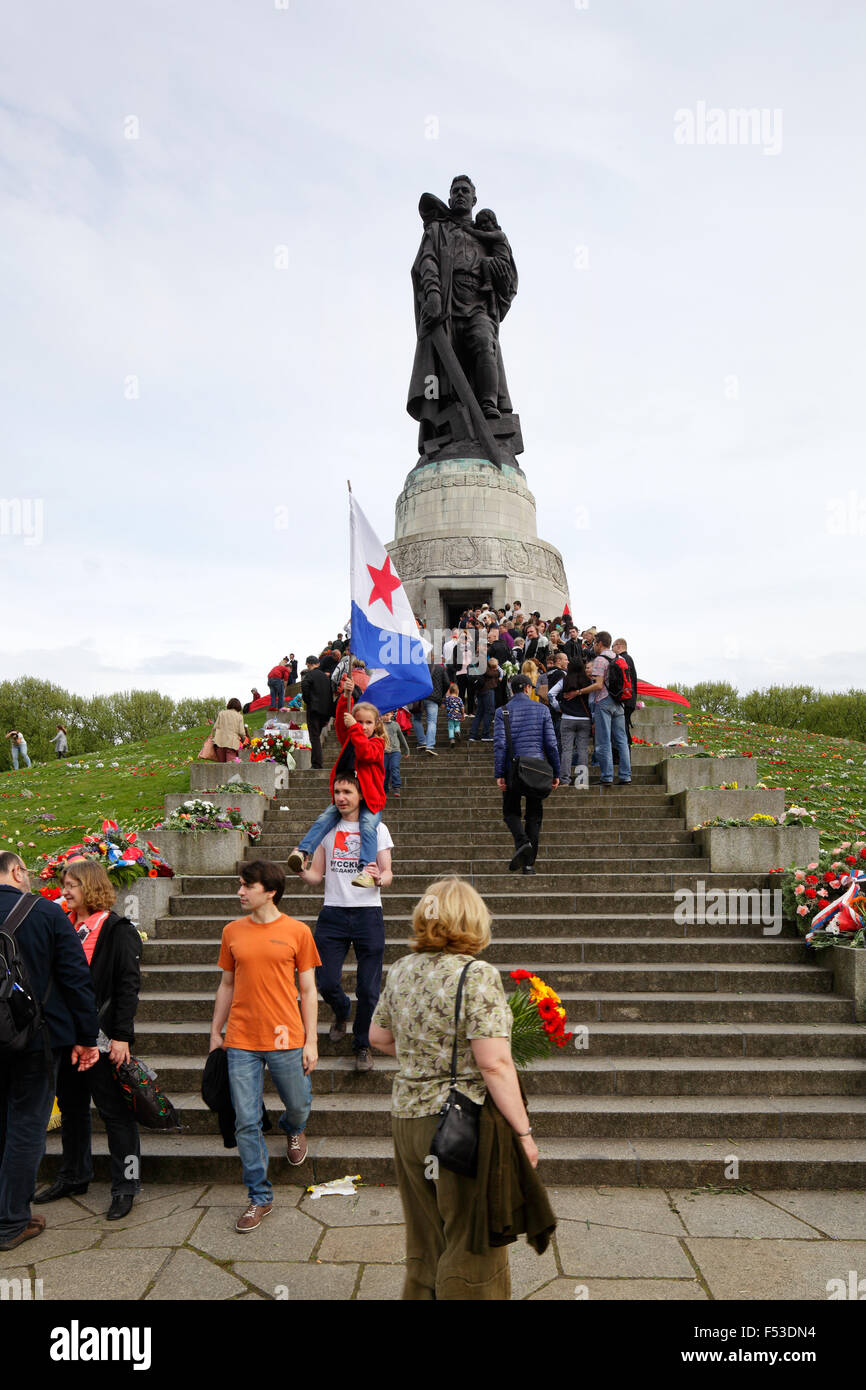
(373, 1206)
(171, 1230)
(283, 1233)
(627, 1290)
(735, 1214)
(775, 1269)
(236, 1195)
(636, 1208)
(304, 1281)
(841, 1215)
(609, 1251)
(529, 1270)
(191, 1277)
(96, 1275)
(46, 1246)
(366, 1244)
(381, 1284)
(621, 1244)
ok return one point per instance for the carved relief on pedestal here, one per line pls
(466, 555)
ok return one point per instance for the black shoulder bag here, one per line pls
(531, 776)
(455, 1143)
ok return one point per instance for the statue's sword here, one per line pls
(448, 357)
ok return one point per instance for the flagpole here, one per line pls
(351, 568)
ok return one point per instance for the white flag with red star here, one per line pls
(384, 631)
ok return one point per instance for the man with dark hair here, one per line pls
(620, 647)
(318, 703)
(293, 668)
(59, 976)
(532, 736)
(257, 999)
(350, 917)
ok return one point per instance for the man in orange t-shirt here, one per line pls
(258, 999)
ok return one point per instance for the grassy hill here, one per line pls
(51, 805)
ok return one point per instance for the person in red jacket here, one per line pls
(278, 677)
(362, 756)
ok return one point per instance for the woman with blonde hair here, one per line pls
(112, 948)
(537, 688)
(415, 1022)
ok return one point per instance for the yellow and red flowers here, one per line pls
(548, 1006)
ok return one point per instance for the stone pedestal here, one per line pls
(465, 533)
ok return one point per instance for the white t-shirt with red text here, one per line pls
(342, 848)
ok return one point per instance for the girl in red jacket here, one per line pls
(362, 755)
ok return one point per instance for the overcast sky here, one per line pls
(208, 214)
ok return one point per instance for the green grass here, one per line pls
(50, 806)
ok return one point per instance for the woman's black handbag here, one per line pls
(455, 1143)
(532, 776)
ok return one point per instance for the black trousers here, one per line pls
(315, 725)
(525, 829)
(74, 1089)
(628, 711)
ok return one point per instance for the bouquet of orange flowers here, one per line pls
(538, 1024)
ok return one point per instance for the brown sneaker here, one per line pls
(295, 861)
(296, 1149)
(253, 1217)
(338, 1029)
(363, 880)
(363, 1059)
(35, 1226)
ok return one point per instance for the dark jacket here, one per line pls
(500, 649)
(532, 734)
(116, 976)
(439, 677)
(516, 1200)
(217, 1096)
(52, 953)
(631, 704)
(316, 692)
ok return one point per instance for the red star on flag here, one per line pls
(384, 584)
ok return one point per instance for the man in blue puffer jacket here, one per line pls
(532, 736)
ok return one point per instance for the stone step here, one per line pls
(563, 977)
(596, 1117)
(604, 1039)
(578, 1076)
(682, 1007)
(306, 905)
(468, 843)
(549, 951)
(578, 813)
(560, 893)
(763, 1163)
(518, 926)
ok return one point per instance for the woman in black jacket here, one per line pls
(576, 724)
(112, 947)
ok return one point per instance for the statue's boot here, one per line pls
(487, 384)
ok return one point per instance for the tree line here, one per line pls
(36, 707)
(839, 714)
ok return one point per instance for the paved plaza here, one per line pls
(611, 1243)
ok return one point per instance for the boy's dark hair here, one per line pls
(346, 777)
(269, 875)
(603, 638)
(235, 704)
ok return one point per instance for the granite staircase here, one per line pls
(704, 1054)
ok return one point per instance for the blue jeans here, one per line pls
(362, 928)
(330, 818)
(246, 1082)
(277, 689)
(427, 739)
(19, 752)
(392, 773)
(453, 728)
(483, 714)
(26, 1098)
(609, 722)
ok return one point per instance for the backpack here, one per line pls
(22, 1016)
(147, 1101)
(619, 686)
